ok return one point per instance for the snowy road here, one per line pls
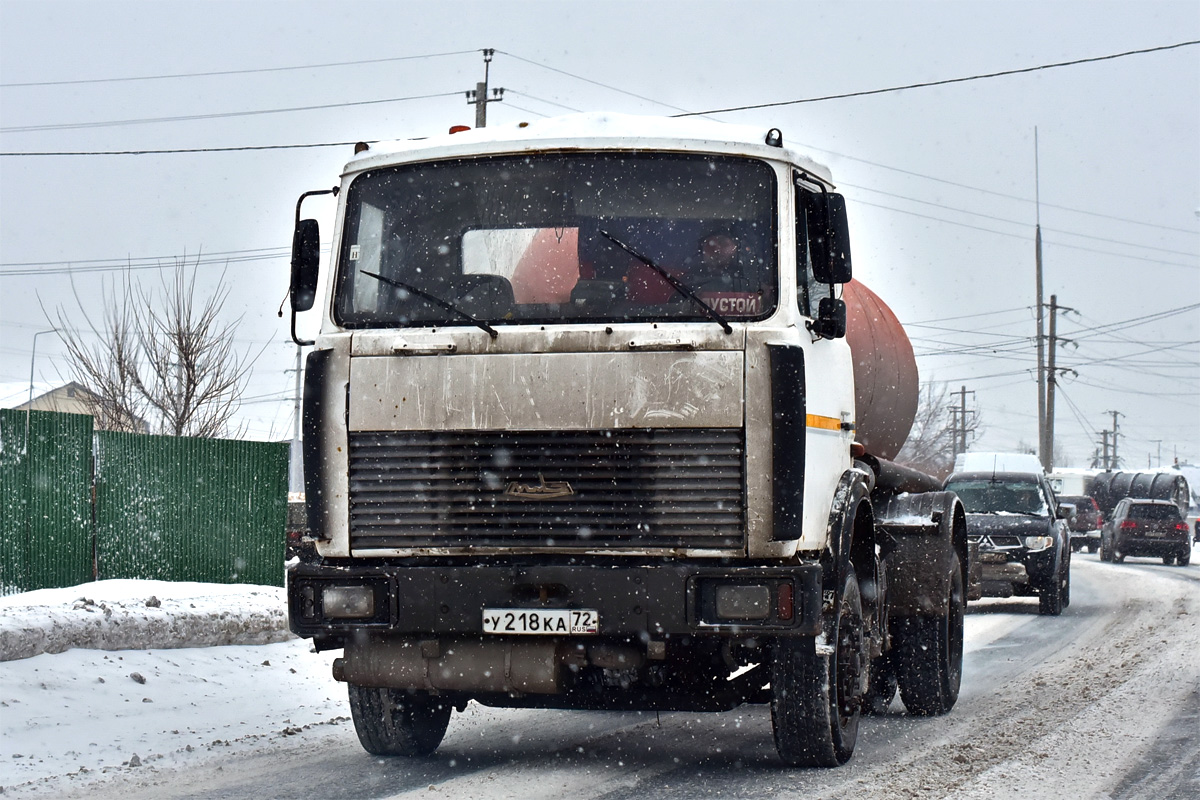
(1103, 702)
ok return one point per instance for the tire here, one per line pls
(1118, 557)
(1050, 597)
(1092, 547)
(396, 722)
(1066, 590)
(929, 654)
(1168, 560)
(817, 697)
(1105, 552)
(883, 686)
(1185, 557)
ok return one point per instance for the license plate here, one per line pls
(544, 622)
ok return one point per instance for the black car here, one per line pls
(1153, 528)
(1024, 542)
(1085, 525)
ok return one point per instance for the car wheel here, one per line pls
(1093, 547)
(1185, 557)
(1118, 557)
(1050, 597)
(1168, 560)
(883, 686)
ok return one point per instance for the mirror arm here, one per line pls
(334, 191)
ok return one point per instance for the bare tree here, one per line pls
(161, 359)
(932, 442)
(106, 364)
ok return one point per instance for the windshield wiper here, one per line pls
(676, 284)
(424, 295)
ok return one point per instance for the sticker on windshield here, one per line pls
(354, 252)
(746, 303)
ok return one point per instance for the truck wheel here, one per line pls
(396, 722)
(929, 654)
(817, 692)
(1050, 597)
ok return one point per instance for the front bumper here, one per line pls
(644, 602)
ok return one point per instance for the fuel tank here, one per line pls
(886, 386)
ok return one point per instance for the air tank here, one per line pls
(886, 385)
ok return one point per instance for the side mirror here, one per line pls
(829, 238)
(1066, 511)
(831, 319)
(306, 257)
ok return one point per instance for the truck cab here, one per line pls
(580, 431)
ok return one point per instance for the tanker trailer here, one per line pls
(1109, 488)
(581, 431)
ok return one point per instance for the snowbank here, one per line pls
(132, 614)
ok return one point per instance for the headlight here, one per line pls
(348, 602)
(1038, 542)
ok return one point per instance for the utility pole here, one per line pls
(1116, 462)
(295, 457)
(479, 95)
(1052, 380)
(1159, 443)
(1043, 448)
(1107, 465)
(961, 427)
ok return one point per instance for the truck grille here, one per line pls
(635, 487)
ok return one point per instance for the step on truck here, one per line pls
(581, 432)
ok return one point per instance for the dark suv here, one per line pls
(1153, 528)
(1085, 525)
(1024, 543)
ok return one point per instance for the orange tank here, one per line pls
(886, 385)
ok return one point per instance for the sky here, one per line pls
(941, 181)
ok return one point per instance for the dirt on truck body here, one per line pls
(581, 431)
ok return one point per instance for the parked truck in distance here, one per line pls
(581, 431)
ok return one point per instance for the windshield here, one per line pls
(996, 497)
(518, 239)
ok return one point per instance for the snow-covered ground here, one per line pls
(136, 664)
(1100, 702)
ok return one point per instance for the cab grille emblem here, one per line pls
(542, 490)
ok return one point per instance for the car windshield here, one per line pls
(1000, 497)
(522, 239)
(1153, 512)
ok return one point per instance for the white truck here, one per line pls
(581, 431)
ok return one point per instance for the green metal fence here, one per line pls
(163, 508)
(45, 500)
(181, 509)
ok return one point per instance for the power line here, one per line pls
(1021, 222)
(1024, 236)
(597, 83)
(233, 71)
(945, 81)
(219, 115)
(185, 149)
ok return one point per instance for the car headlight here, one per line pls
(1038, 542)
